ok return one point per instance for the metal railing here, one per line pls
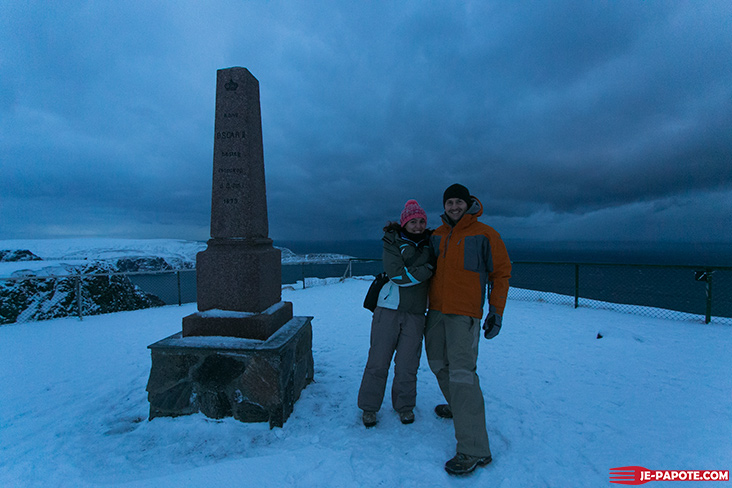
(695, 293)
(301, 274)
(699, 293)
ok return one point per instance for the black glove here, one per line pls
(492, 325)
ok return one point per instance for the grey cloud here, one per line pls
(549, 112)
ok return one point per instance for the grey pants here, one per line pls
(392, 331)
(451, 343)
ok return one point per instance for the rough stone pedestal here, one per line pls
(250, 380)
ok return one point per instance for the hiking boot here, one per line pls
(406, 417)
(464, 464)
(369, 419)
(443, 411)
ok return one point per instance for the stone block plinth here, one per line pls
(244, 325)
(250, 380)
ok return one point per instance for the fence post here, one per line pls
(78, 297)
(709, 296)
(180, 300)
(347, 273)
(576, 285)
(302, 268)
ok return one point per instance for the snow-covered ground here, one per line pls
(563, 406)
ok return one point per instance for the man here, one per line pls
(471, 257)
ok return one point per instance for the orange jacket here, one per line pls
(471, 257)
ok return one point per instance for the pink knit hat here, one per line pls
(412, 210)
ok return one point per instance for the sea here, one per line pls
(667, 275)
(701, 254)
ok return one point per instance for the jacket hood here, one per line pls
(476, 208)
(392, 235)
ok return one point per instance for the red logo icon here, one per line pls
(638, 475)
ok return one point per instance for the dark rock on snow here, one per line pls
(11, 256)
(44, 298)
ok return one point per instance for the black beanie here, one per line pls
(456, 191)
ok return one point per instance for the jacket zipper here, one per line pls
(447, 242)
(444, 255)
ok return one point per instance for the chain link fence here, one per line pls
(674, 292)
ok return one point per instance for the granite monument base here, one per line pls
(250, 380)
(238, 324)
(243, 275)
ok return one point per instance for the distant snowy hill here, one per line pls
(65, 256)
(106, 291)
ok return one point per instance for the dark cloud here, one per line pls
(591, 120)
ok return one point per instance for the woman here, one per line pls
(399, 317)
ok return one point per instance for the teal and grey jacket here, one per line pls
(409, 267)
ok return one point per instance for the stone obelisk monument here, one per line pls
(240, 271)
(243, 354)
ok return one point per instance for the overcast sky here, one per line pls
(581, 120)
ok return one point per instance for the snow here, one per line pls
(59, 256)
(215, 312)
(105, 248)
(563, 407)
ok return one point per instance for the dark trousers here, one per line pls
(392, 331)
(451, 343)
